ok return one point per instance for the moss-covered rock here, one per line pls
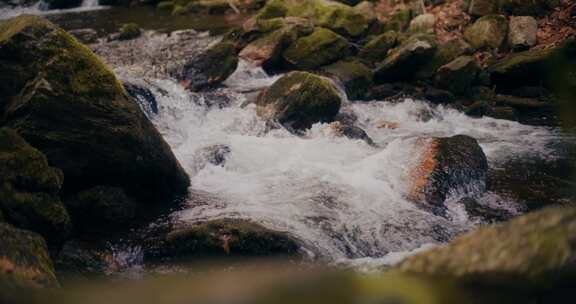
(488, 32)
(165, 5)
(129, 31)
(320, 48)
(338, 17)
(377, 48)
(223, 237)
(446, 52)
(521, 69)
(404, 61)
(398, 20)
(448, 165)
(458, 75)
(66, 103)
(267, 50)
(210, 68)
(29, 190)
(24, 259)
(355, 77)
(298, 100)
(532, 251)
(102, 210)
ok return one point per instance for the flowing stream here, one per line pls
(343, 198)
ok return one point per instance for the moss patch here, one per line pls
(322, 47)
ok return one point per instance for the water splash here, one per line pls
(42, 8)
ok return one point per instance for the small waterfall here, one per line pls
(90, 3)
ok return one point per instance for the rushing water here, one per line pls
(344, 199)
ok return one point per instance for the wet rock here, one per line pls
(210, 68)
(446, 52)
(29, 190)
(488, 32)
(438, 96)
(522, 34)
(338, 17)
(214, 154)
(320, 48)
(354, 76)
(102, 210)
(390, 90)
(458, 75)
(81, 259)
(58, 93)
(298, 100)
(535, 251)
(423, 24)
(484, 213)
(448, 165)
(222, 237)
(502, 112)
(377, 48)
(86, 36)
(405, 60)
(146, 100)
(24, 259)
(351, 131)
(266, 51)
(521, 69)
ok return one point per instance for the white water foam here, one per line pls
(41, 8)
(343, 198)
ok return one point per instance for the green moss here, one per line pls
(24, 259)
(298, 100)
(354, 76)
(320, 48)
(446, 52)
(273, 9)
(398, 21)
(488, 32)
(377, 48)
(533, 251)
(129, 31)
(29, 189)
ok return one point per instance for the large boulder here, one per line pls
(217, 238)
(24, 259)
(522, 33)
(533, 251)
(298, 100)
(404, 61)
(355, 77)
(210, 68)
(453, 165)
(29, 190)
(320, 48)
(458, 75)
(488, 32)
(338, 17)
(66, 103)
